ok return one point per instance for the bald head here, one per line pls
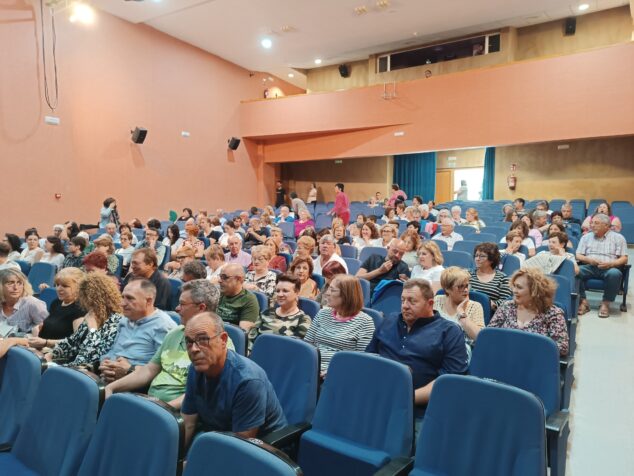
(208, 322)
(231, 279)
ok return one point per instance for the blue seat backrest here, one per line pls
(485, 237)
(238, 337)
(25, 266)
(510, 264)
(388, 301)
(319, 280)
(465, 245)
(522, 359)
(353, 265)
(309, 307)
(263, 300)
(457, 258)
(42, 273)
(296, 385)
(175, 292)
(372, 250)
(48, 295)
(376, 316)
(448, 425)
(348, 251)
(365, 288)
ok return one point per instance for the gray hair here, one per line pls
(203, 292)
(328, 238)
(602, 217)
(539, 214)
(448, 222)
(443, 211)
(195, 269)
(456, 208)
(424, 207)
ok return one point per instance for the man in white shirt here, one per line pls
(447, 234)
(327, 253)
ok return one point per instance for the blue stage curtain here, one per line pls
(488, 181)
(416, 174)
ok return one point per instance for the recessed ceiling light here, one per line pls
(583, 7)
(291, 75)
(266, 43)
(318, 61)
(361, 10)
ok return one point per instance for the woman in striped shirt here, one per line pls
(342, 325)
(486, 278)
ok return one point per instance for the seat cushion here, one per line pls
(320, 453)
(9, 464)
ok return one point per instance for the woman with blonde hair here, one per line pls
(105, 244)
(472, 219)
(429, 265)
(99, 295)
(277, 261)
(261, 278)
(342, 325)
(66, 314)
(412, 243)
(305, 247)
(215, 257)
(19, 308)
(532, 308)
(388, 233)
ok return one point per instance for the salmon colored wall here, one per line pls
(589, 94)
(113, 76)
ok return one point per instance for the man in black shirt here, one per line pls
(280, 193)
(144, 264)
(377, 268)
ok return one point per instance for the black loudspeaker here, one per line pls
(234, 142)
(344, 70)
(570, 26)
(138, 135)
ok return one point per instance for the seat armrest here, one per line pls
(400, 466)
(556, 423)
(5, 447)
(284, 436)
(566, 361)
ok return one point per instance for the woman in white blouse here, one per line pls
(429, 265)
(32, 253)
(369, 236)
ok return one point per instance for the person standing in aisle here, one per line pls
(280, 195)
(342, 204)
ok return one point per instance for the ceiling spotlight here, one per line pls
(288, 28)
(583, 7)
(266, 43)
(291, 75)
(361, 10)
(318, 61)
(82, 13)
(382, 3)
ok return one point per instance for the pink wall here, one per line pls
(584, 95)
(113, 76)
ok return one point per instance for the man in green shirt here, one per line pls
(237, 305)
(166, 372)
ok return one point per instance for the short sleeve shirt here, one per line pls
(375, 261)
(241, 307)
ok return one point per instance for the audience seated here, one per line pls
(193, 270)
(15, 244)
(255, 234)
(342, 325)
(540, 223)
(277, 262)
(429, 267)
(125, 251)
(549, 261)
(237, 305)
(284, 215)
(338, 230)
(513, 243)
(532, 308)
(305, 247)
(174, 269)
(519, 204)
(376, 268)
(225, 391)
(455, 215)
(173, 239)
(278, 237)
(329, 271)
(304, 221)
(566, 213)
(368, 236)
(605, 209)
(447, 234)
(472, 219)
(144, 265)
(5, 262)
(486, 277)
(286, 318)
(601, 253)
(230, 231)
(412, 241)
(152, 242)
(166, 372)
(54, 252)
(261, 278)
(302, 269)
(388, 233)
(236, 254)
(327, 253)
(421, 339)
(557, 228)
(20, 309)
(111, 231)
(140, 333)
(105, 244)
(456, 306)
(523, 229)
(215, 257)
(101, 299)
(65, 315)
(191, 239)
(32, 253)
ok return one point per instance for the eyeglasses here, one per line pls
(200, 341)
(481, 257)
(461, 287)
(225, 277)
(182, 304)
(259, 258)
(179, 258)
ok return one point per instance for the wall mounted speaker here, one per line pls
(138, 135)
(570, 26)
(234, 142)
(344, 70)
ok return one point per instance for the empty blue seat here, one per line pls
(309, 307)
(288, 229)
(42, 273)
(510, 264)
(388, 299)
(372, 250)
(48, 295)
(175, 292)
(365, 288)
(353, 265)
(458, 258)
(376, 316)
(348, 251)
(25, 266)
(263, 300)
(319, 280)
(238, 337)
(466, 245)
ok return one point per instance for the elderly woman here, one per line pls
(304, 221)
(549, 261)
(277, 262)
(54, 252)
(412, 242)
(329, 271)
(342, 325)
(173, 239)
(184, 255)
(540, 223)
(472, 219)
(287, 318)
(429, 265)
(486, 278)
(100, 296)
(389, 214)
(305, 247)
(215, 257)
(388, 233)
(557, 228)
(369, 236)
(19, 308)
(532, 308)
(302, 268)
(191, 240)
(513, 243)
(261, 278)
(339, 232)
(455, 304)
(32, 253)
(523, 228)
(605, 209)
(66, 314)
(105, 245)
(125, 227)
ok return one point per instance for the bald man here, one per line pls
(376, 268)
(225, 391)
(237, 305)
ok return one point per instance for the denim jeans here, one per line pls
(611, 278)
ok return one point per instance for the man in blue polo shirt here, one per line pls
(225, 391)
(419, 338)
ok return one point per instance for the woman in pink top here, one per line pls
(342, 205)
(397, 194)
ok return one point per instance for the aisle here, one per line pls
(602, 404)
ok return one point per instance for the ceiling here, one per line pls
(303, 30)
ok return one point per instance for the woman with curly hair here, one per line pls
(105, 244)
(100, 297)
(532, 308)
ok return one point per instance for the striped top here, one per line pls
(497, 289)
(331, 336)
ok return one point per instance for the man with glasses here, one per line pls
(376, 268)
(447, 234)
(225, 391)
(236, 254)
(166, 372)
(237, 305)
(152, 241)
